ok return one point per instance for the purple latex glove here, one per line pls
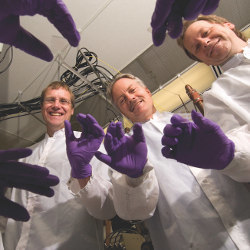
(81, 150)
(12, 33)
(126, 154)
(168, 14)
(24, 176)
(200, 143)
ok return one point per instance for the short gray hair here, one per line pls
(117, 78)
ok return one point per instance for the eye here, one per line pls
(50, 100)
(205, 34)
(64, 101)
(132, 90)
(122, 100)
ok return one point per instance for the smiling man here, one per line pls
(211, 39)
(133, 99)
(195, 207)
(57, 104)
(68, 222)
(215, 41)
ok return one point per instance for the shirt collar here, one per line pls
(237, 58)
(58, 133)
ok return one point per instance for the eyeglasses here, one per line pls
(62, 101)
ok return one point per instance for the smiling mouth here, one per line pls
(212, 47)
(55, 114)
(133, 105)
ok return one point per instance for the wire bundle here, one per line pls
(97, 77)
(95, 80)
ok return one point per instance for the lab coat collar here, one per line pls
(237, 58)
(57, 134)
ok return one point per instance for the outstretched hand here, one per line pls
(81, 150)
(200, 143)
(21, 175)
(168, 15)
(126, 154)
(12, 33)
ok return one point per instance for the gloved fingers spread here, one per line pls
(170, 130)
(138, 134)
(56, 12)
(13, 210)
(93, 126)
(169, 141)
(119, 130)
(12, 33)
(31, 45)
(174, 25)
(178, 120)
(81, 118)
(91, 119)
(210, 7)
(168, 152)
(14, 154)
(103, 158)
(88, 124)
(159, 35)
(16, 168)
(110, 142)
(50, 180)
(112, 129)
(204, 123)
(193, 9)
(68, 131)
(41, 190)
(59, 16)
(161, 12)
(116, 130)
(97, 131)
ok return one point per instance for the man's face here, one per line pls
(212, 43)
(133, 100)
(56, 108)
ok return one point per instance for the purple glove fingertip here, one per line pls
(81, 150)
(138, 133)
(210, 7)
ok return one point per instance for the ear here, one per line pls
(148, 91)
(231, 26)
(72, 111)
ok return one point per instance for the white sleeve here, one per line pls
(239, 168)
(96, 196)
(135, 198)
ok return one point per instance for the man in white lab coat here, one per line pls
(215, 41)
(65, 221)
(197, 208)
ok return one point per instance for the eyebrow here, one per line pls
(126, 90)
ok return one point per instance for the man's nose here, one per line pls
(56, 103)
(205, 42)
(130, 97)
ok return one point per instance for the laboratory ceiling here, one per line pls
(119, 33)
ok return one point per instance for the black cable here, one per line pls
(11, 58)
(87, 65)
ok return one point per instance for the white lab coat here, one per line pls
(228, 104)
(197, 209)
(64, 221)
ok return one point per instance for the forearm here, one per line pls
(135, 198)
(96, 196)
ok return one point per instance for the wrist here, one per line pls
(81, 171)
(228, 156)
(83, 182)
